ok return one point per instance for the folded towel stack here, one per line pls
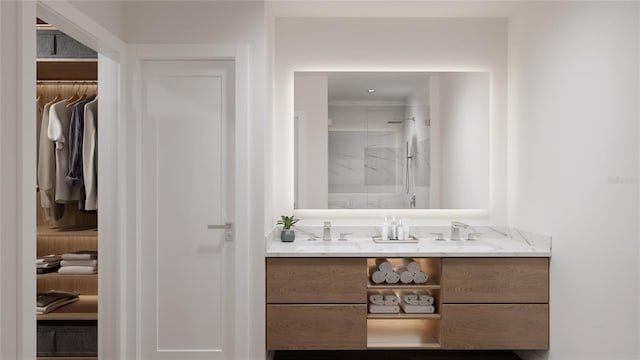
(79, 263)
(383, 272)
(384, 303)
(46, 264)
(54, 299)
(410, 272)
(416, 303)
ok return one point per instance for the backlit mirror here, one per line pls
(391, 140)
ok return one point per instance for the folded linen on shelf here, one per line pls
(54, 306)
(377, 276)
(47, 270)
(384, 309)
(47, 265)
(417, 309)
(78, 270)
(49, 297)
(48, 259)
(424, 299)
(420, 277)
(391, 299)
(80, 255)
(79, 263)
(376, 299)
(409, 297)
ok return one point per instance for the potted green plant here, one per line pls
(287, 234)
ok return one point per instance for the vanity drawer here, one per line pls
(495, 280)
(495, 326)
(316, 280)
(316, 327)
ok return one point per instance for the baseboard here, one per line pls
(532, 354)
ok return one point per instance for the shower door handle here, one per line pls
(227, 227)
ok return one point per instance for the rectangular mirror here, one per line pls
(391, 140)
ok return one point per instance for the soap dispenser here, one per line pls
(385, 229)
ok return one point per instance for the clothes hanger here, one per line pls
(75, 101)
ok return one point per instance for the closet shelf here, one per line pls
(67, 231)
(57, 276)
(84, 309)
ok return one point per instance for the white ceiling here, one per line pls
(389, 86)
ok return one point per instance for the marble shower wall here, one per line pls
(366, 157)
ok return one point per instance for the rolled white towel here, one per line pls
(392, 277)
(425, 300)
(78, 270)
(384, 309)
(79, 263)
(420, 277)
(409, 298)
(411, 265)
(391, 299)
(377, 276)
(418, 309)
(376, 299)
(384, 265)
(406, 277)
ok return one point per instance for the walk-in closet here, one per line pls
(67, 197)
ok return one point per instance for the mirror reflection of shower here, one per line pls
(409, 156)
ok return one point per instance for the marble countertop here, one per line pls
(505, 243)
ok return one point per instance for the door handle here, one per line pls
(227, 227)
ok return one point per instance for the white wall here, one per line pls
(464, 140)
(224, 22)
(108, 14)
(573, 110)
(390, 44)
(311, 100)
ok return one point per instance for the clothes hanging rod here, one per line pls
(72, 82)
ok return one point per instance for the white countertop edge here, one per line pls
(411, 254)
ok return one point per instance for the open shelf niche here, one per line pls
(406, 330)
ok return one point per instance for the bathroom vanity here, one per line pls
(492, 294)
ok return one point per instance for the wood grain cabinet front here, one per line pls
(316, 327)
(495, 280)
(316, 280)
(495, 326)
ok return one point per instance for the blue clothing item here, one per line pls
(75, 176)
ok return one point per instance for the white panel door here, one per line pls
(186, 278)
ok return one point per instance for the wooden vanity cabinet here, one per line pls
(316, 304)
(484, 303)
(495, 303)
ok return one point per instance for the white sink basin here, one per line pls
(320, 245)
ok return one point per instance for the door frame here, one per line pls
(239, 53)
(19, 329)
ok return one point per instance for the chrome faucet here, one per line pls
(326, 235)
(412, 204)
(455, 229)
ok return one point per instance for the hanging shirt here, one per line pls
(46, 162)
(58, 131)
(90, 155)
(75, 176)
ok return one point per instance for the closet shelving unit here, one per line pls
(402, 330)
(75, 230)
